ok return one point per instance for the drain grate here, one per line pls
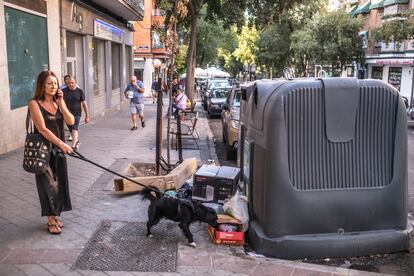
(123, 246)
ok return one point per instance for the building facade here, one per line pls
(92, 40)
(149, 46)
(97, 45)
(391, 62)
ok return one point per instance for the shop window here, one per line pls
(376, 72)
(74, 57)
(98, 67)
(27, 53)
(116, 65)
(394, 77)
(128, 62)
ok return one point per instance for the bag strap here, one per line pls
(29, 121)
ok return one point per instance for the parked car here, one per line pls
(405, 99)
(230, 117)
(211, 85)
(411, 113)
(215, 99)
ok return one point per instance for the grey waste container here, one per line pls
(324, 164)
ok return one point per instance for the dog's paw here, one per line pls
(193, 244)
(150, 236)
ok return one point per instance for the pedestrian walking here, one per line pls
(154, 90)
(135, 92)
(48, 111)
(75, 101)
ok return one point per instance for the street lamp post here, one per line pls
(157, 64)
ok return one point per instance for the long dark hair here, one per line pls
(40, 84)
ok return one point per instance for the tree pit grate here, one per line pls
(124, 246)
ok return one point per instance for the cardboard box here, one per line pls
(215, 183)
(228, 238)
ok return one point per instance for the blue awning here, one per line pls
(352, 9)
(362, 8)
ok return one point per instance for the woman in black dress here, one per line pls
(48, 112)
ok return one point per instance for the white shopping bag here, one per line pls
(236, 207)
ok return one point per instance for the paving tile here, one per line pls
(272, 269)
(33, 270)
(191, 259)
(233, 264)
(60, 269)
(306, 272)
(204, 271)
(24, 256)
(91, 272)
(6, 269)
(67, 256)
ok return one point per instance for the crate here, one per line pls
(227, 238)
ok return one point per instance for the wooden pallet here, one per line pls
(174, 180)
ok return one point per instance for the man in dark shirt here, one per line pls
(75, 101)
(174, 87)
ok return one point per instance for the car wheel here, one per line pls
(231, 153)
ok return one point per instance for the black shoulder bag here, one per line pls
(36, 150)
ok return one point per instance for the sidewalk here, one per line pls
(27, 249)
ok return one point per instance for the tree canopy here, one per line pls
(273, 47)
(398, 29)
(331, 39)
(247, 47)
(208, 41)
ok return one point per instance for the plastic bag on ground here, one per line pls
(236, 207)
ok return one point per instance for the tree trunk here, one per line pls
(194, 8)
(171, 70)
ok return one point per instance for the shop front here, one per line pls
(397, 72)
(97, 50)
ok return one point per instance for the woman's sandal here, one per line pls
(59, 223)
(54, 229)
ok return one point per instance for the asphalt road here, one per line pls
(397, 263)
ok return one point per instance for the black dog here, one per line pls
(181, 210)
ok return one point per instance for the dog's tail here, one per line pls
(148, 193)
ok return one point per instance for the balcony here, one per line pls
(132, 10)
(395, 7)
(392, 47)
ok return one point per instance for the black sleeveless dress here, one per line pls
(53, 185)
